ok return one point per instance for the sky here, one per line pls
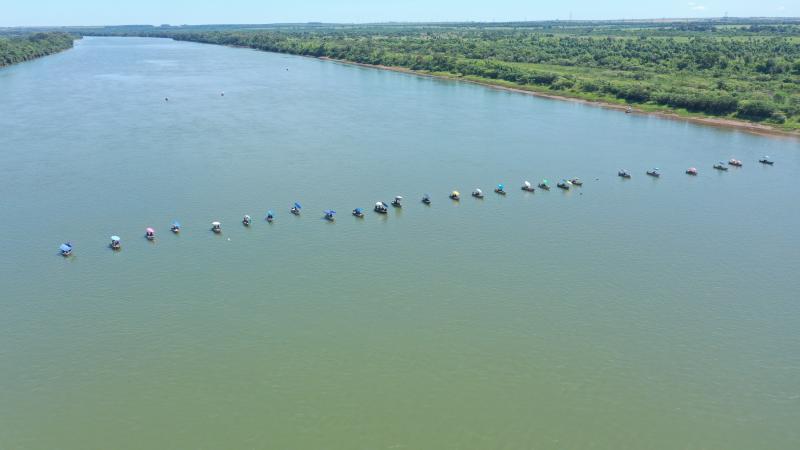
(179, 12)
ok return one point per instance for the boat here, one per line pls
(246, 220)
(720, 166)
(65, 249)
(296, 209)
(543, 185)
(576, 182)
(734, 162)
(381, 208)
(624, 173)
(766, 160)
(654, 172)
(526, 186)
(150, 234)
(176, 227)
(270, 216)
(500, 189)
(564, 184)
(628, 110)
(115, 243)
(691, 171)
(397, 202)
(216, 227)
(477, 193)
(455, 195)
(329, 215)
(426, 199)
(358, 212)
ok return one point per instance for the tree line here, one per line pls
(15, 49)
(735, 69)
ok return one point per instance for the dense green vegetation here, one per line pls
(749, 71)
(14, 49)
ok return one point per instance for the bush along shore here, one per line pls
(16, 49)
(746, 73)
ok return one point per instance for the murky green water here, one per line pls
(624, 314)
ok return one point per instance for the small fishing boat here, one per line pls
(246, 220)
(358, 212)
(270, 216)
(576, 182)
(500, 189)
(624, 173)
(296, 209)
(150, 234)
(397, 202)
(691, 171)
(381, 208)
(544, 186)
(216, 227)
(115, 243)
(720, 166)
(65, 249)
(526, 186)
(455, 195)
(734, 162)
(426, 199)
(329, 215)
(654, 172)
(176, 227)
(477, 193)
(766, 160)
(564, 184)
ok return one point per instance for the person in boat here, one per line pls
(544, 185)
(66, 249)
(654, 172)
(563, 184)
(270, 216)
(397, 202)
(216, 227)
(500, 189)
(295, 209)
(426, 199)
(246, 220)
(766, 160)
(691, 171)
(526, 186)
(358, 212)
(477, 193)
(576, 182)
(455, 195)
(329, 215)
(624, 173)
(150, 234)
(381, 207)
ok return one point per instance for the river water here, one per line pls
(641, 313)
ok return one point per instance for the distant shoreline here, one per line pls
(750, 127)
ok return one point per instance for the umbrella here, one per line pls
(115, 238)
(297, 205)
(65, 247)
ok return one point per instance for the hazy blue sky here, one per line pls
(100, 12)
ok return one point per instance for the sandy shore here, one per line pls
(742, 125)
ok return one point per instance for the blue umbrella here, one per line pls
(297, 205)
(65, 247)
(329, 212)
(358, 210)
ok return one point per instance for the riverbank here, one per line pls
(20, 49)
(750, 127)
